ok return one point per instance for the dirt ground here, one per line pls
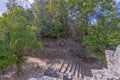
(33, 67)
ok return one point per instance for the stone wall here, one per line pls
(112, 72)
(63, 48)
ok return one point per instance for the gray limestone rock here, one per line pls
(51, 72)
(113, 64)
(68, 76)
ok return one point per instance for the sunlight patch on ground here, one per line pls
(38, 61)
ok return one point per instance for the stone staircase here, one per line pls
(74, 67)
(62, 48)
(77, 67)
(70, 63)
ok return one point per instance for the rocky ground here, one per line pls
(33, 67)
(54, 53)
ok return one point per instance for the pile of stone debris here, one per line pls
(112, 72)
(113, 67)
(52, 74)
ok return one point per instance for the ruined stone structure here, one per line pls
(112, 72)
(113, 67)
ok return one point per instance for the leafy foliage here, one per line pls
(52, 18)
(100, 35)
(103, 36)
(6, 56)
(16, 37)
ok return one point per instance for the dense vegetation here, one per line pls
(51, 18)
(16, 37)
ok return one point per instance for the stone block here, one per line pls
(68, 76)
(51, 72)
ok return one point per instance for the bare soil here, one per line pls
(33, 67)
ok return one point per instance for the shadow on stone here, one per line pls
(51, 72)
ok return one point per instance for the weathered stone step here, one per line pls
(54, 53)
(74, 67)
(65, 66)
(77, 67)
(79, 70)
(62, 66)
(82, 70)
(68, 65)
(71, 67)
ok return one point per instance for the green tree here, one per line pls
(98, 36)
(6, 57)
(52, 18)
(104, 34)
(17, 35)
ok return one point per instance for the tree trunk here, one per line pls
(19, 63)
(19, 67)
